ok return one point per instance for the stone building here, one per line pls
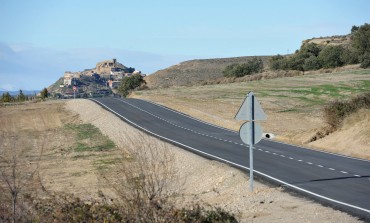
(108, 66)
(70, 76)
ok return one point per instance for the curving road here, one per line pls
(335, 180)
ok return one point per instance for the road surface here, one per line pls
(338, 181)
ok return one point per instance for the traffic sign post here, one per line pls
(250, 132)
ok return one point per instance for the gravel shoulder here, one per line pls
(214, 183)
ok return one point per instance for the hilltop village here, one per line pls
(98, 81)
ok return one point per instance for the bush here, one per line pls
(129, 84)
(278, 62)
(312, 63)
(336, 111)
(255, 65)
(365, 60)
(361, 39)
(349, 56)
(331, 56)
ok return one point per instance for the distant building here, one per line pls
(108, 66)
(69, 77)
(113, 84)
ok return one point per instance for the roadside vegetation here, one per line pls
(6, 97)
(336, 111)
(312, 56)
(128, 84)
(255, 65)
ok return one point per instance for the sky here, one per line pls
(40, 40)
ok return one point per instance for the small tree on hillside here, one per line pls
(21, 96)
(128, 84)
(361, 40)
(255, 65)
(331, 56)
(44, 93)
(6, 97)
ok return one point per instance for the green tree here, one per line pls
(310, 49)
(128, 84)
(365, 60)
(361, 40)
(6, 97)
(354, 29)
(331, 56)
(312, 63)
(44, 93)
(254, 65)
(21, 96)
(278, 62)
(349, 56)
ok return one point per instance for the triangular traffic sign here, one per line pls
(247, 113)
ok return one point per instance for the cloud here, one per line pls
(28, 67)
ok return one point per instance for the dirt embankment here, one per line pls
(352, 139)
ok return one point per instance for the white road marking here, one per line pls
(331, 169)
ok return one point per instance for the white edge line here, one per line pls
(229, 130)
(235, 164)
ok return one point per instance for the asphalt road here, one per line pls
(338, 181)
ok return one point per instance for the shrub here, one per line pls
(129, 84)
(312, 63)
(365, 60)
(336, 111)
(278, 62)
(331, 56)
(361, 39)
(349, 56)
(255, 65)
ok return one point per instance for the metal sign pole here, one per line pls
(251, 107)
(250, 132)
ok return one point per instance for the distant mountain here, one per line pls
(26, 92)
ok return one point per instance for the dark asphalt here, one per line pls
(338, 181)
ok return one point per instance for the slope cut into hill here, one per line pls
(352, 138)
(194, 72)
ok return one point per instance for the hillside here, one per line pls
(316, 54)
(194, 72)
